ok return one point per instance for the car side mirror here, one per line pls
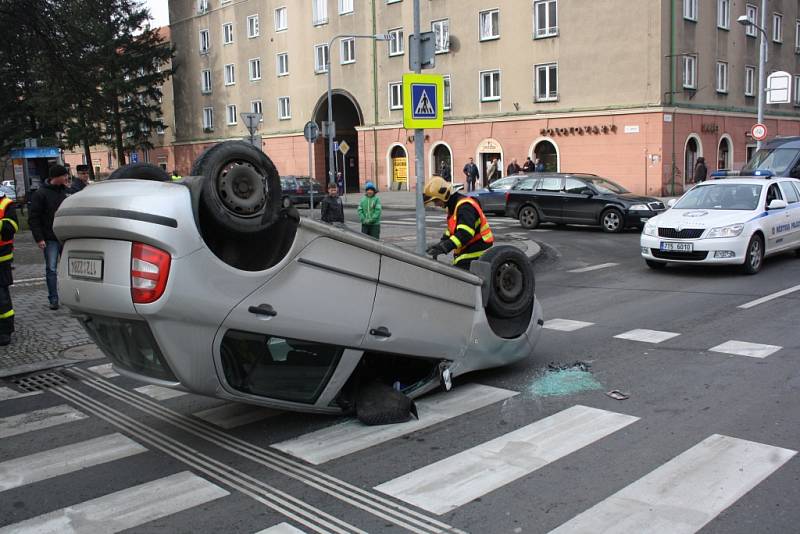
(777, 204)
(671, 202)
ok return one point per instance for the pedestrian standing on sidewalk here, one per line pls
(444, 172)
(528, 166)
(8, 227)
(369, 211)
(492, 173)
(513, 167)
(80, 182)
(43, 208)
(700, 170)
(332, 207)
(340, 182)
(471, 173)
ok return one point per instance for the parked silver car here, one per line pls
(207, 285)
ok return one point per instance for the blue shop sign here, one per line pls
(40, 152)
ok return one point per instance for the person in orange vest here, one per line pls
(468, 233)
(8, 227)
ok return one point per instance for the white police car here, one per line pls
(729, 221)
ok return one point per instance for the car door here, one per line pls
(777, 221)
(579, 202)
(494, 200)
(793, 212)
(548, 197)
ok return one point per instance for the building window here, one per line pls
(281, 19)
(159, 126)
(255, 107)
(448, 94)
(441, 32)
(255, 69)
(227, 33)
(208, 118)
(489, 24)
(205, 81)
(345, 6)
(722, 77)
(797, 37)
(321, 58)
(231, 114)
(777, 27)
(545, 18)
(749, 81)
(319, 12)
(230, 74)
(546, 82)
(724, 14)
(202, 7)
(347, 51)
(797, 90)
(490, 85)
(284, 108)
(396, 95)
(395, 42)
(690, 72)
(690, 10)
(205, 41)
(252, 26)
(751, 12)
(283, 64)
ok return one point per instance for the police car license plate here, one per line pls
(89, 268)
(668, 246)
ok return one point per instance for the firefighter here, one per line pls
(468, 234)
(8, 227)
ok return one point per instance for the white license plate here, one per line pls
(89, 268)
(668, 246)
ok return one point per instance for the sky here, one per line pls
(159, 10)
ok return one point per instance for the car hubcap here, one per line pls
(527, 216)
(612, 221)
(241, 188)
(509, 282)
(755, 254)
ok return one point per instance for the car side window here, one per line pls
(773, 193)
(789, 191)
(526, 185)
(549, 184)
(577, 187)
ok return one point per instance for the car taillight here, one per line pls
(508, 194)
(149, 273)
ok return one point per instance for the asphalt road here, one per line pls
(704, 442)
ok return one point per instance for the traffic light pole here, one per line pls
(419, 149)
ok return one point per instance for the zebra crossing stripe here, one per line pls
(445, 485)
(647, 336)
(106, 370)
(234, 414)
(159, 393)
(9, 394)
(67, 459)
(38, 420)
(352, 436)
(687, 492)
(283, 528)
(125, 509)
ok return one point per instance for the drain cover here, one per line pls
(41, 381)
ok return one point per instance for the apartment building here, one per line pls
(632, 90)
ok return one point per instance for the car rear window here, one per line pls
(721, 197)
(549, 184)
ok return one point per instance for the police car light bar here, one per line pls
(760, 173)
(724, 174)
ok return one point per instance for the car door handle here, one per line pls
(381, 331)
(263, 309)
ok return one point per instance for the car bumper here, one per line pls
(728, 251)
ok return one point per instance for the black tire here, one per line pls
(511, 279)
(140, 171)
(241, 189)
(380, 404)
(754, 258)
(656, 265)
(286, 202)
(528, 217)
(611, 221)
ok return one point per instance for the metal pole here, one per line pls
(419, 148)
(344, 179)
(311, 176)
(762, 59)
(331, 156)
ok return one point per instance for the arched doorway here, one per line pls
(442, 156)
(346, 116)
(725, 154)
(397, 167)
(490, 156)
(691, 153)
(547, 153)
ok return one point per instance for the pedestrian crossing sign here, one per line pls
(423, 97)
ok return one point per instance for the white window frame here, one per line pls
(545, 95)
(205, 40)
(227, 33)
(396, 42)
(253, 26)
(205, 75)
(689, 71)
(229, 74)
(208, 118)
(448, 93)
(395, 90)
(724, 14)
(749, 80)
(690, 10)
(489, 24)
(279, 64)
(442, 38)
(751, 12)
(202, 6)
(796, 90)
(281, 19)
(496, 86)
(722, 77)
(347, 51)
(319, 12)
(345, 7)
(251, 63)
(544, 28)
(257, 106)
(777, 27)
(284, 108)
(797, 37)
(321, 67)
(230, 113)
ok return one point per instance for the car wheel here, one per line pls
(241, 189)
(528, 217)
(511, 281)
(611, 221)
(754, 258)
(655, 265)
(140, 171)
(286, 202)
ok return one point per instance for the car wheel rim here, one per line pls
(611, 221)
(241, 188)
(509, 282)
(755, 254)
(527, 216)
(286, 202)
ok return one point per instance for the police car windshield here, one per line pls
(721, 197)
(777, 160)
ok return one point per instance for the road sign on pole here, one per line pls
(759, 132)
(422, 51)
(425, 95)
(344, 148)
(251, 121)
(779, 88)
(311, 131)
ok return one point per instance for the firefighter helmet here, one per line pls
(437, 188)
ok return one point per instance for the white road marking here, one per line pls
(352, 436)
(282, 528)
(105, 370)
(445, 485)
(685, 493)
(235, 414)
(768, 298)
(565, 325)
(743, 348)
(647, 336)
(67, 459)
(8, 394)
(127, 508)
(38, 420)
(159, 393)
(593, 268)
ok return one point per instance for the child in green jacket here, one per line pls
(369, 211)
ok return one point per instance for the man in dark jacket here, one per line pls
(700, 170)
(513, 168)
(471, 174)
(331, 206)
(81, 181)
(43, 208)
(8, 227)
(528, 166)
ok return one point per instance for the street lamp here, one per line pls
(762, 58)
(331, 160)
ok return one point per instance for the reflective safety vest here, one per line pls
(6, 247)
(176, 178)
(481, 233)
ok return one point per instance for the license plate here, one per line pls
(667, 246)
(89, 268)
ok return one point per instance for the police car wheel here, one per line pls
(528, 217)
(140, 171)
(511, 281)
(754, 258)
(655, 265)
